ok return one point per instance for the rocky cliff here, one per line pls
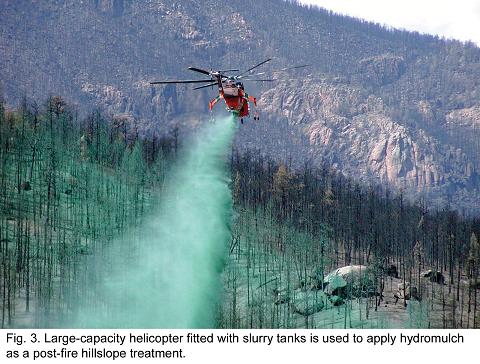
(353, 132)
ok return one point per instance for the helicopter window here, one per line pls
(230, 91)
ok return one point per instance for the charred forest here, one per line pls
(297, 227)
(70, 186)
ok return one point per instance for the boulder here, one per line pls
(337, 285)
(407, 292)
(353, 280)
(434, 276)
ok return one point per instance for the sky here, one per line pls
(457, 19)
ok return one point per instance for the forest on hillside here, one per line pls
(420, 90)
(70, 187)
(295, 227)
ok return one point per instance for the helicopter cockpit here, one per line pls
(230, 89)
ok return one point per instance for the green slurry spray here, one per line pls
(169, 274)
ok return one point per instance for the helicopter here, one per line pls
(230, 87)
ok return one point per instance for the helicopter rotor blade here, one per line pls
(195, 69)
(178, 81)
(199, 87)
(252, 68)
(229, 71)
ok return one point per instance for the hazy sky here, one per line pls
(459, 19)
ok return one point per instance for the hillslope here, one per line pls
(385, 106)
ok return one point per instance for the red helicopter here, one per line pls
(230, 88)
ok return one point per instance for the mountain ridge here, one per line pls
(381, 105)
